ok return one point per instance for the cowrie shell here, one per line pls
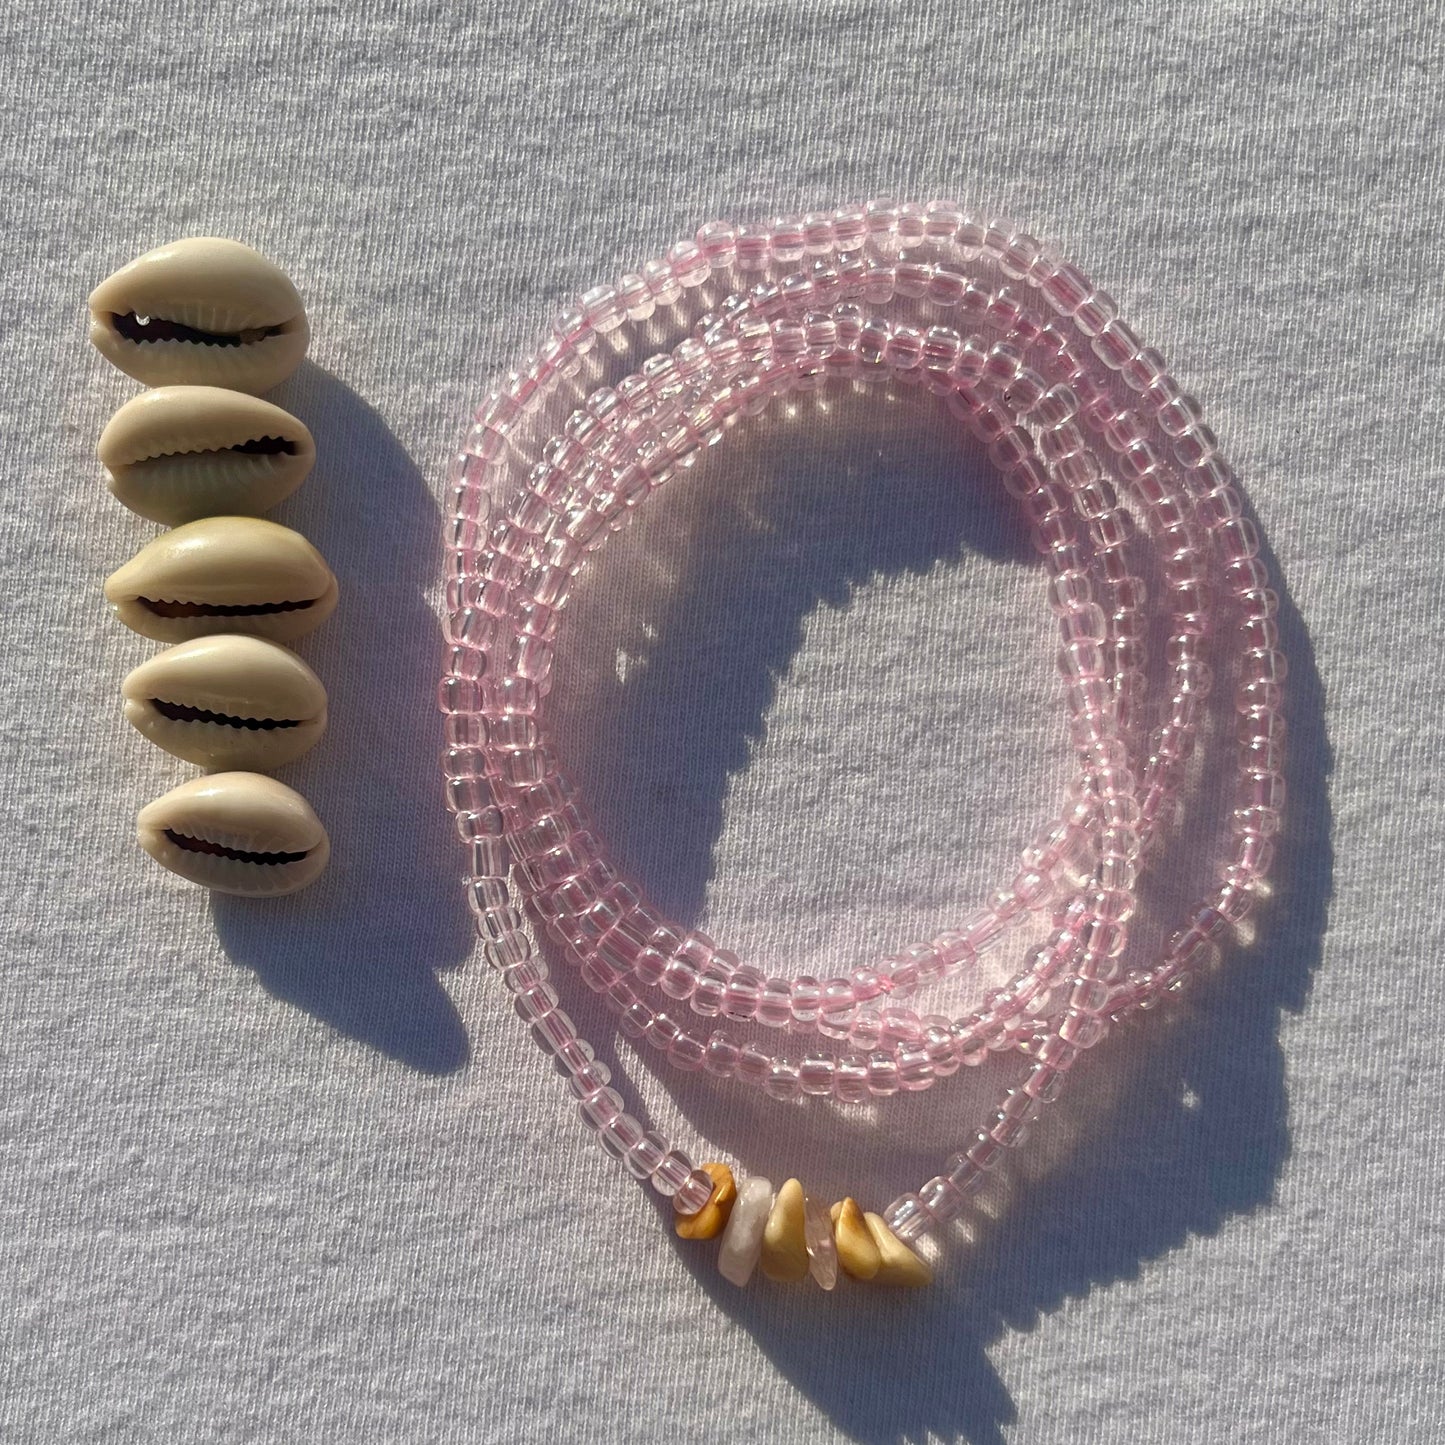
(236, 833)
(183, 452)
(224, 574)
(227, 702)
(203, 310)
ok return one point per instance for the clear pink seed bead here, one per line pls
(646, 1154)
(744, 990)
(815, 1074)
(941, 1199)
(672, 1173)
(908, 1217)
(693, 1193)
(775, 1005)
(850, 1079)
(601, 1108)
(783, 1081)
(721, 1055)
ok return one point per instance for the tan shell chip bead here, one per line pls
(224, 574)
(858, 1255)
(183, 452)
(898, 1265)
(236, 833)
(227, 702)
(785, 1251)
(202, 310)
(712, 1218)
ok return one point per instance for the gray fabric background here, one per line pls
(292, 1173)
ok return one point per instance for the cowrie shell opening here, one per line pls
(227, 702)
(184, 452)
(224, 574)
(203, 310)
(236, 833)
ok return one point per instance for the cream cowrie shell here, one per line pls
(227, 702)
(201, 310)
(183, 452)
(236, 833)
(224, 574)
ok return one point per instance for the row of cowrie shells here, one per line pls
(792, 1235)
(208, 322)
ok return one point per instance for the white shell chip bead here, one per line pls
(742, 1240)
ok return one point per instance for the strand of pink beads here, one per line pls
(1108, 458)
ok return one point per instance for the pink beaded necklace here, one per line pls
(1108, 458)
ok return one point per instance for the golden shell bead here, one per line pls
(712, 1218)
(785, 1246)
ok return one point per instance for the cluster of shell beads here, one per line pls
(792, 1235)
(208, 323)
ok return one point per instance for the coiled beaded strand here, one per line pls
(1087, 429)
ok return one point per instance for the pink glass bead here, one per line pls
(672, 1173)
(866, 984)
(754, 1065)
(882, 1075)
(620, 1136)
(775, 1003)
(744, 991)
(600, 1108)
(941, 1199)
(710, 991)
(908, 1218)
(850, 1079)
(678, 979)
(915, 1069)
(782, 1081)
(686, 1052)
(645, 1155)
(815, 1074)
(805, 998)
(693, 1192)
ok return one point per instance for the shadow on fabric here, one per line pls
(361, 948)
(1176, 1123)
